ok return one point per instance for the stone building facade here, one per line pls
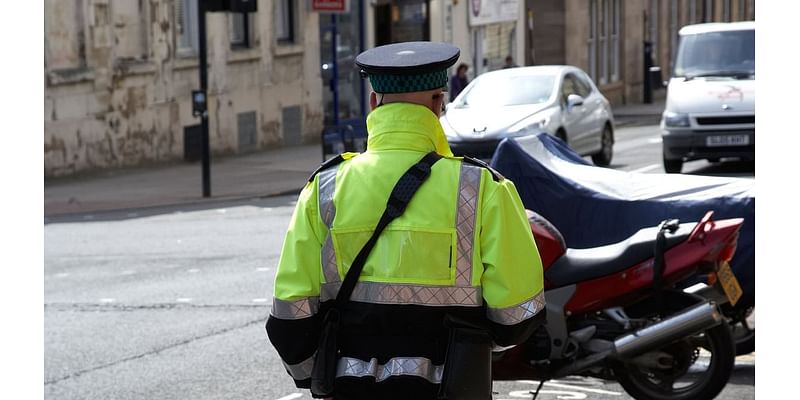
(606, 37)
(119, 76)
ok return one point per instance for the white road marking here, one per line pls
(62, 275)
(263, 269)
(179, 241)
(561, 385)
(292, 396)
(259, 300)
(654, 140)
(128, 272)
(107, 300)
(581, 388)
(183, 300)
(193, 270)
(222, 210)
(647, 168)
(562, 395)
(267, 209)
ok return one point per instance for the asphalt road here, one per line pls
(172, 305)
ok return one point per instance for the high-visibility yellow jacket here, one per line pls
(463, 247)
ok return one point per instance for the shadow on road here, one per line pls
(743, 374)
(725, 168)
(132, 213)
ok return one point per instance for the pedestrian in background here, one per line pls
(509, 63)
(458, 81)
(459, 271)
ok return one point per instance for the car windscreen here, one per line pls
(504, 90)
(727, 53)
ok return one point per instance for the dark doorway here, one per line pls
(192, 143)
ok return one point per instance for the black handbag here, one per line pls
(323, 374)
(468, 362)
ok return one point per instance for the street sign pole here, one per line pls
(201, 23)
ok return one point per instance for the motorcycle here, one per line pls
(614, 312)
(596, 206)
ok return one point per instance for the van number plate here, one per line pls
(727, 140)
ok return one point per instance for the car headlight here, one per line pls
(675, 120)
(525, 127)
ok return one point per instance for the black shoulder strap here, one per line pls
(325, 165)
(398, 200)
(478, 163)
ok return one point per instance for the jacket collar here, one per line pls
(405, 126)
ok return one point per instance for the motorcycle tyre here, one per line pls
(721, 347)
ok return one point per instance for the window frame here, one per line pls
(246, 21)
(285, 19)
(186, 28)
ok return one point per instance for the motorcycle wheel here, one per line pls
(692, 376)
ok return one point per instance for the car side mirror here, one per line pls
(448, 106)
(574, 100)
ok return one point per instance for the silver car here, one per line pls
(560, 100)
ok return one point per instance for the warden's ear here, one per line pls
(373, 101)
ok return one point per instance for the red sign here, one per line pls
(330, 6)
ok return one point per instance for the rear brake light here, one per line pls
(730, 249)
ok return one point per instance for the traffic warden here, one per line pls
(462, 247)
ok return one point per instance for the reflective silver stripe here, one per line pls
(516, 314)
(327, 185)
(415, 366)
(327, 210)
(468, 185)
(393, 293)
(329, 261)
(300, 371)
(295, 309)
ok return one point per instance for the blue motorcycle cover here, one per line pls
(594, 206)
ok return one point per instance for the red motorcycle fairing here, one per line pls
(631, 284)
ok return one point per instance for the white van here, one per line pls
(710, 108)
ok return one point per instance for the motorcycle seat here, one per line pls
(578, 265)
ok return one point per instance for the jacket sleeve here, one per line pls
(512, 281)
(294, 321)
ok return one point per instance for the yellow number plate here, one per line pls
(729, 283)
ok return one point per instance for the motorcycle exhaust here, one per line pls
(698, 318)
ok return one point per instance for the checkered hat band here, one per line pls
(408, 83)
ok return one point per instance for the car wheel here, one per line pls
(673, 166)
(603, 157)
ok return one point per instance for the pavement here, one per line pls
(267, 173)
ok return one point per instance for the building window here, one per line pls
(741, 14)
(726, 10)
(241, 30)
(654, 32)
(673, 28)
(708, 11)
(615, 13)
(186, 27)
(697, 11)
(604, 50)
(285, 21)
(592, 44)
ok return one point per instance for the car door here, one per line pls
(593, 117)
(574, 118)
